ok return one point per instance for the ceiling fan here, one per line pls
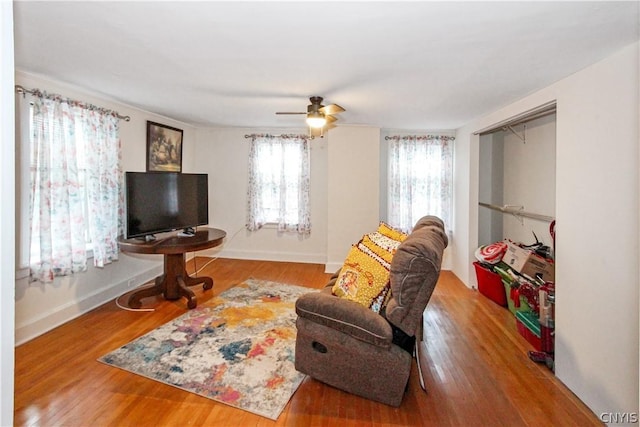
(319, 117)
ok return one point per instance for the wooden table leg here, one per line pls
(156, 288)
(185, 281)
(173, 284)
(192, 281)
(187, 293)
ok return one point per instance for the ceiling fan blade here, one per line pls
(329, 126)
(330, 119)
(288, 112)
(331, 109)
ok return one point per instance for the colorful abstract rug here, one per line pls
(237, 348)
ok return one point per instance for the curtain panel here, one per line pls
(420, 179)
(279, 177)
(76, 191)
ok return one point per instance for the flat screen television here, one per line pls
(157, 202)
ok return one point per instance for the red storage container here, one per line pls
(490, 285)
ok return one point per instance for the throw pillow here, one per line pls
(364, 278)
(380, 244)
(393, 233)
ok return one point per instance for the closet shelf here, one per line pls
(517, 211)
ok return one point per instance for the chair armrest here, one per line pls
(345, 316)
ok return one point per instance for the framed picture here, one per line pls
(164, 148)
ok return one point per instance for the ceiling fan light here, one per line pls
(316, 120)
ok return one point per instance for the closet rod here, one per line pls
(517, 212)
(532, 114)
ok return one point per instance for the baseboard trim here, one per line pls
(269, 256)
(332, 267)
(67, 312)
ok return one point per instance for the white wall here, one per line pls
(530, 179)
(597, 196)
(466, 197)
(354, 190)
(346, 194)
(39, 307)
(223, 154)
(7, 220)
(597, 191)
(491, 187)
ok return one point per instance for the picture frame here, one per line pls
(164, 148)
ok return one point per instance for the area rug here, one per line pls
(237, 348)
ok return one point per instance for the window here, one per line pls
(75, 203)
(279, 183)
(419, 179)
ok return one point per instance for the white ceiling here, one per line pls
(395, 65)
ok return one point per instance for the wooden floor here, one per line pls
(477, 372)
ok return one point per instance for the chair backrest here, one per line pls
(415, 269)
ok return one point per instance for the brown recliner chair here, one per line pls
(346, 345)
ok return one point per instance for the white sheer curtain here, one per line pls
(76, 192)
(279, 175)
(420, 174)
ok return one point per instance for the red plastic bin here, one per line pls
(490, 285)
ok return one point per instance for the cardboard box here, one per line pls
(528, 263)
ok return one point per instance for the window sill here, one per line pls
(23, 272)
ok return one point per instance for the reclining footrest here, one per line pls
(402, 340)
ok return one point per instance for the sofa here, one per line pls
(347, 345)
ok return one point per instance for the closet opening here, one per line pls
(515, 264)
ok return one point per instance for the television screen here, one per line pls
(159, 201)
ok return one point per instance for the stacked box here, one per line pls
(490, 284)
(528, 263)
